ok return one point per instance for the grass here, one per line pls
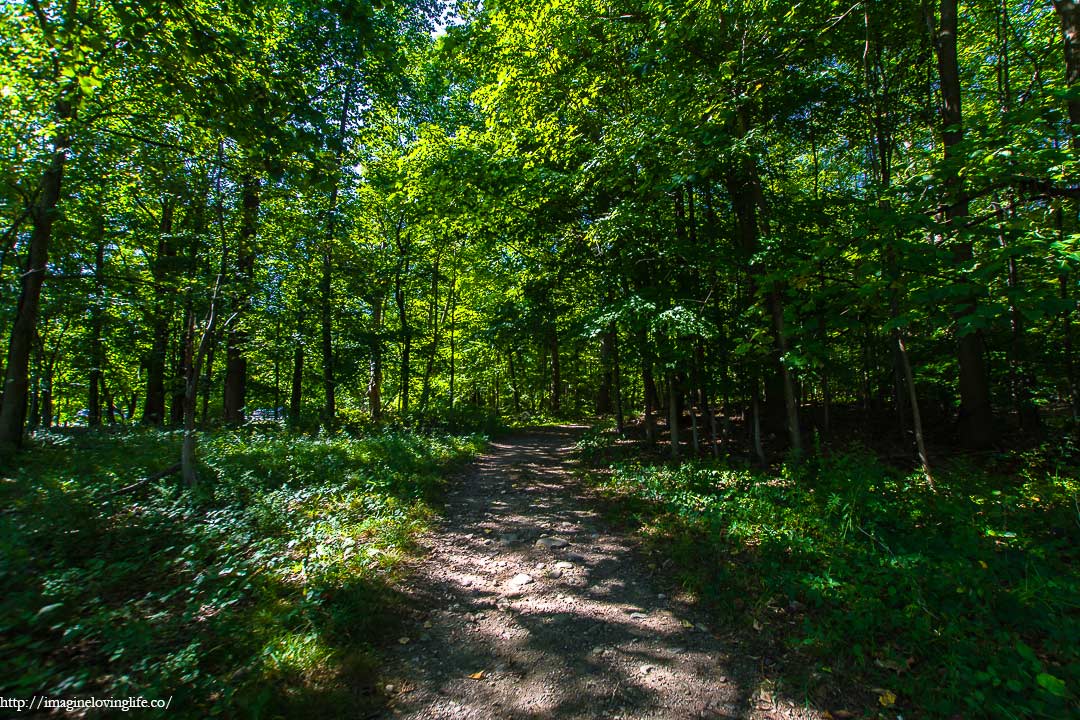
(260, 594)
(871, 587)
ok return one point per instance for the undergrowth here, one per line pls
(259, 594)
(961, 600)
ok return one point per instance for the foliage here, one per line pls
(265, 589)
(961, 601)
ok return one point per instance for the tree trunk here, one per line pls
(406, 341)
(207, 379)
(97, 323)
(16, 370)
(648, 384)
(556, 372)
(297, 389)
(236, 346)
(976, 420)
(1069, 14)
(374, 389)
(916, 416)
(46, 393)
(514, 382)
(326, 295)
(673, 415)
(156, 360)
(616, 376)
(193, 362)
(744, 187)
(453, 347)
(326, 321)
(603, 396)
(437, 324)
(759, 450)
(179, 394)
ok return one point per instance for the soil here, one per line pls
(526, 605)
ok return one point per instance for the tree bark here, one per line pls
(556, 371)
(193, 362)
(513, 381)
(1069, 14)
(326, 281)
(97, 323)
(374, 389)
(154, 402)
(16, 370)
(648, 385)
(616, 377)
(406, 338)
(673, 415)
(186, 351)
(236, 346)
(744, 187)
(976, 420)
(603, 396)
(297, 389)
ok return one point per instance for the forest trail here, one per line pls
(508, 622)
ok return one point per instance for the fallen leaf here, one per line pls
(403, 640)
(477, 675)
(887, 698)
(687, 624)
(757, 626)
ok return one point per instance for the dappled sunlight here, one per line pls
(527, 606)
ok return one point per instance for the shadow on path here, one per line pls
(527, 606)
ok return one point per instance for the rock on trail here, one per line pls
(516, 626)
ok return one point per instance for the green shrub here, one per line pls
(962, 600)
(264, 587)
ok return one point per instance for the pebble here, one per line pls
(554, 574)
(551, 543)
(646, 669)
(390, 688)
(638, 616)
(564, 565)
(520, 579)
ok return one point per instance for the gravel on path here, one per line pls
(526, 606)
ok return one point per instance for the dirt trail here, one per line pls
(510, 622)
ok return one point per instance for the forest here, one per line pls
(799, 282)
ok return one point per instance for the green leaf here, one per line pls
(1053, 685)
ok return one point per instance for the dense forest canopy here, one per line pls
(564, 207)
(795, 215)
(810, 269)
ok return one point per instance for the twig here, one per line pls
(171, 470)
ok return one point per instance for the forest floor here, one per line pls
(526, 604)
